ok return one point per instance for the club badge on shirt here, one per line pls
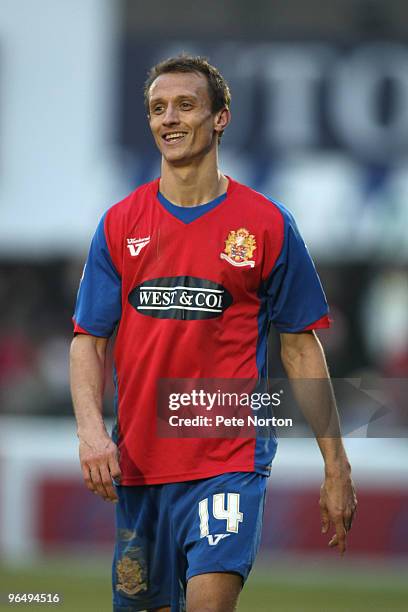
(239, 248)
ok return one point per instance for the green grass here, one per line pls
(275, 596)
(85, 587)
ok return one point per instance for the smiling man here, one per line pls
(191, 270)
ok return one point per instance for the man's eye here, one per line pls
(186, 105)
(158, 109)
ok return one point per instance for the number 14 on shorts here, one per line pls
(231, 513)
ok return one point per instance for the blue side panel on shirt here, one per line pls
(265, 447)
(187, 214)
(291, 299)
(262, 346)
(99, 306)
(295, 295)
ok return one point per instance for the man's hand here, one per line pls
(338, 503)
(99, 462)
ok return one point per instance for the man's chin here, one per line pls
(184, 157)
(176, 158)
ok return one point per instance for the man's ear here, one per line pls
(222, 119)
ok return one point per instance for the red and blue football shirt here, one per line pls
(192, 297)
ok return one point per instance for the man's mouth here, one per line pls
(174, 136)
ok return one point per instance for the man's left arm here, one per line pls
(303, 358)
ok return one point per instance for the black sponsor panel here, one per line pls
(180, 297)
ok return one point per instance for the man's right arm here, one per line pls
(98, 453)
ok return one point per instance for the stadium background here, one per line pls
(320, 122)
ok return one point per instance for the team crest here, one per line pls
(130, 576)
(239, 248)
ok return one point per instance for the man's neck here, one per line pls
(193, 184)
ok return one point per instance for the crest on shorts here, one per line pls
(239, 248)
(130, 576)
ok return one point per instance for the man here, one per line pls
(191, 269)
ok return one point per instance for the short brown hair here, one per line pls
(218, 89)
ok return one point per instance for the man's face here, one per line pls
(180, 116)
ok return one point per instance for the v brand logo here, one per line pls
(135, 245)
(214, 539)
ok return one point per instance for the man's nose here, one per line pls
(171, 115)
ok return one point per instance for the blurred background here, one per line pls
(320, 123)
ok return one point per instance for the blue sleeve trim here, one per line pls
(294, 330)
(99, 303)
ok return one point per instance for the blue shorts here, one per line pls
(167, 533)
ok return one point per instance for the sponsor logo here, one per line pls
(180, 297)
(214, 539)
(239, 248)
(135, 245)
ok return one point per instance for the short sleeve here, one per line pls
(295, 297)
(98, 306)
